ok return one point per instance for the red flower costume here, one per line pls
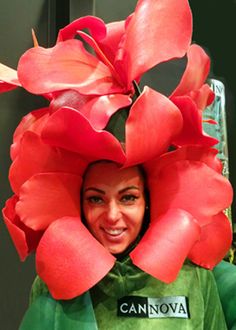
(53, 146)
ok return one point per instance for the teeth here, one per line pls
(113, 231)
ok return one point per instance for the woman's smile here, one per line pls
(114, 232)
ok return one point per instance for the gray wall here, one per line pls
(16, 20)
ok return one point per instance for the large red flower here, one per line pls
(101, 84)
(53, 146)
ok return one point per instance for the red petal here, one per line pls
(95, 25)
(107, 36)
(214, 243)
(25, 239)
(8, 79)
(158, 31)
(68, 98)
(69, 129)
(161, 251)
(192, 132)
(110, 43)
(34, 122)
(93, 44)
(98, 29)
(210, 121)
(47, 197)
(152, 123)
(45, 159)
(196, 72)
(191, 186)
(99, 110)
(203, 97)
(70, 260)
(66, 66)
(5, 87)
(192, 153)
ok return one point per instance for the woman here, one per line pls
(97, 112)
(114, 204)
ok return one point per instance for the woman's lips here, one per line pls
(114, 234)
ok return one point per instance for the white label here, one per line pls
(144, 307)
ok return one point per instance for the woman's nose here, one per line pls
(113, 211)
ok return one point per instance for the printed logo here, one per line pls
(135, 306)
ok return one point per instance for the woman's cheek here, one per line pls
(92, 215)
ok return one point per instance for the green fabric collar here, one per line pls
(123, 279)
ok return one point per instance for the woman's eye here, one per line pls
(128, 198)
(95, 200)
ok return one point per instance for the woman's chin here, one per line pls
(115, 248)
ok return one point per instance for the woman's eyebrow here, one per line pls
(95, 189)
(128, 188)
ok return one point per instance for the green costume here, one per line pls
(225, 275)
(195, 283)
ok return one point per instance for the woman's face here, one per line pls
(113, 204)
